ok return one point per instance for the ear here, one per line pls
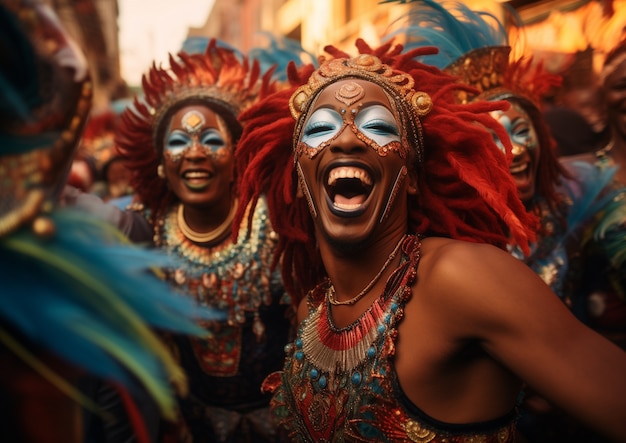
(412, 188)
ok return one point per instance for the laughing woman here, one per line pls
(179, 142)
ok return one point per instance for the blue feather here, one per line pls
(450, 26)
(585, 191)
(279, 52)
(92, 300)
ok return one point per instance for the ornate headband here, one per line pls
(483, 69)
(398, 85)
(217, 78)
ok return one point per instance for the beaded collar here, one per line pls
(336, 350)
(231, 276)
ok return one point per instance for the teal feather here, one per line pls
(610, 229)
(451, 26)
(92, 299)
(279, 53)
(586, 191)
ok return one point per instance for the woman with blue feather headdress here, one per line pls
(566, 195)
(78, 302)
(474, 46)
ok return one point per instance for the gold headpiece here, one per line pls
(216, 77)
(363, 66)
(483, 69)
(412, 104)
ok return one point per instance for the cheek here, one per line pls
(534, 156)
(170, 165)
(225, 162)
(614, 98)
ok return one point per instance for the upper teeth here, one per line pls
(519, 168)
(349, 172)
(195, 174)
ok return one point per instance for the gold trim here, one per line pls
(205, 237)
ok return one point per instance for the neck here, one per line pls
(197, 226)
(353, 271)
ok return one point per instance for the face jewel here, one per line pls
(193, 121)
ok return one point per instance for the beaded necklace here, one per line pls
(330, 293)
(334, 350)
(231, 276)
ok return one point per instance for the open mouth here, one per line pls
(348, 188)
(519, 168)
(196, 178)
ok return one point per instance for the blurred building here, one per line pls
(93, 24)
(570, 37)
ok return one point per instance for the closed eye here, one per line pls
(381, 127)
(318, 128)
(323, 125)
(521, 133)
(177, 141)
(212, 139)
(379, 124)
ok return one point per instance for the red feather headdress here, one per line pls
(465, 188)
(216, 78)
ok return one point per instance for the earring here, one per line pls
(161, 171)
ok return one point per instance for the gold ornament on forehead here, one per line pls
(367, 67)
(193, 121)
(350, 93)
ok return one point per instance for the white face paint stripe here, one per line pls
(307, 192)
(402, 173)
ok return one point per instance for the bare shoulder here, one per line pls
(478, 285)
(456, 262)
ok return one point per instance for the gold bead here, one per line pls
(44, 227)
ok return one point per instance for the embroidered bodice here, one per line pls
(226, 369)
(338, 384)
(231, 276)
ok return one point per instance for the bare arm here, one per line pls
(523, 325)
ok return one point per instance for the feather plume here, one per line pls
(95, 303)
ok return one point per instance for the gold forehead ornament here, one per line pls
(193, 121)
(398, 85)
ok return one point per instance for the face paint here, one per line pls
(351, 159)
(375, 125)
(526, 149)
(192, 131)
(198, 156)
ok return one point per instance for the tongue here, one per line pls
(343, 202)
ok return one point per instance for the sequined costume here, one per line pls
(339, 384)
(237, 276)
(227, 369)
(549, 257)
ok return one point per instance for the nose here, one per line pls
(347, 141)
(195, 151)
(518, 149)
